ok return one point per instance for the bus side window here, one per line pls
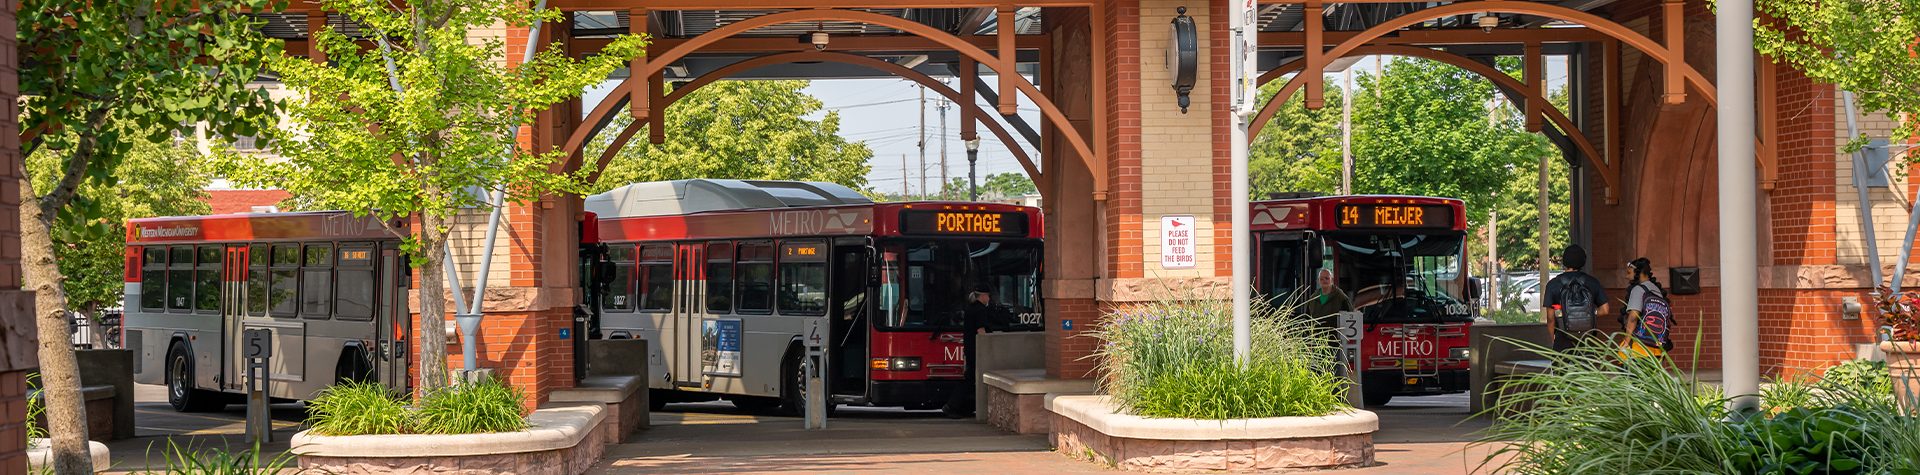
(620, 296)
(153, 279)
(258, 282)
(354, 283)
(720, 278)
(206, 279)
(286, 280)
(656, 278)
(180, 278)
(754, 274)
(316, 282)
(803, 278)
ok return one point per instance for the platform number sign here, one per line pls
(816, 334)
(1177, 242)
(259, 342)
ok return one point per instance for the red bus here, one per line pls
(331, 287)
(721, 275)
(1400, 259)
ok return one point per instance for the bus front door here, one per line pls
(846, 364)
(233, 308)
(689, 320)
(394, 321)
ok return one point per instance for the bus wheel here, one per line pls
(1376, 396)
(793, 391)
(180, 391)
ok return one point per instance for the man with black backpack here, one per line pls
(1572, 299)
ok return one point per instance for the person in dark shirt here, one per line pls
(980, 316)
(1327, 301)
(1569, 320)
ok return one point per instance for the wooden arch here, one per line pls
(624, 92)
(1609, 172)
(845, 58)
(1678, 70)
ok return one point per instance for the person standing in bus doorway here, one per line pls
(978, 313)
(1573, 299)
(1328, 301)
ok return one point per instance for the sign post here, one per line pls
(1350, 325)
(814, 333)
(259, 349)
(1244, 70)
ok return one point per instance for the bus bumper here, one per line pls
(923, 394)
(1401, 384)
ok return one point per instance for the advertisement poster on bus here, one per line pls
(720, 347)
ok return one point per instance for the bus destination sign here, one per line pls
(963, 223)
(1375, 215)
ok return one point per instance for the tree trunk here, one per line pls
(59, 369)
(433, 303)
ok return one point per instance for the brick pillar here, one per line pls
(17, 357)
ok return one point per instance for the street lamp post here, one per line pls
(973, 156)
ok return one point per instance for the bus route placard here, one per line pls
(1376, 216)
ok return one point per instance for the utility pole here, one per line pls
(1545, 229)
(904, 193)
(922, 141)
(942, 107)
(1346, 131)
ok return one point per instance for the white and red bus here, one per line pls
(720, 276)
(330, 286)
(1400, 259)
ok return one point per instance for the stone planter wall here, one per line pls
(1016, 398)
(624, 396)
(564, 440)
(1086, 427)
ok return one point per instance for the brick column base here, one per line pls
(525, 350)
(1067, 349)
(13, 429)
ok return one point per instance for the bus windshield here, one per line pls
(924, 284)
(1414, 273)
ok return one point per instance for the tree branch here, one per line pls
(76, 170)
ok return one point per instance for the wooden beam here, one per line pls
(969, 70)
(637, 24)
(1443, 37)
(657, 109)
(1533, 74)
(1009, 56)
(1676, 27)
(581, 47)
(316, 21)
(615, 5)
(1097, 16)
(1316, 41)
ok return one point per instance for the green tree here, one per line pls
(96, 78)
(154, 179)
(748, 130)
(1871, 48)
(995, 186)
(411, 126)
(1299, 149)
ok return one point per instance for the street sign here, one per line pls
(259, 342)
(259, 349)
(1349, 329)
(1177, 242)
(814, 332)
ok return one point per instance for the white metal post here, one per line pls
(1244, 47)
(1346, 131)
(1739, 288)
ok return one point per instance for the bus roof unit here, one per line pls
(678, 197)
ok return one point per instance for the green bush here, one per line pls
(36, 407)
(1596, 414)
(487, 405)
(1174, 358)
(357, 408)
(182, 459)
(1860, 375)
(1514, 312)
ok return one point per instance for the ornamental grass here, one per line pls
(1173, 358)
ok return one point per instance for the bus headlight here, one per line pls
(1460, 353)
(897, 363)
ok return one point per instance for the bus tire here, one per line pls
(1374, 398)
(793, 398)
(180, 391)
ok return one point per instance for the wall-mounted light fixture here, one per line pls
(1488, 21)
(1183, 56)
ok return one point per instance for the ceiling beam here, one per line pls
(586, 46)
(571, 5)
(1444, 37)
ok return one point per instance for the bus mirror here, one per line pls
(602, 271)
(1473, 289)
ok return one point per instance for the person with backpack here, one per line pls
(1573, 299)
(1648, 318)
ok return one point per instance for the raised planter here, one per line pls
(40, 454)
(624, 397)
(561, 440)
(1016, 398)
(1903, 362)
(1090, 427)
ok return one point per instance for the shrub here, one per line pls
(1515, 312)
(1174, 358)
(1860, 375)
(478, 407)
(357, 408)
(212, 461)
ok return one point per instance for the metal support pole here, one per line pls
(1245, 95)
(1546, 229)
(1739, 288)
(1346, 130)
(973, 173)
(1860, 190)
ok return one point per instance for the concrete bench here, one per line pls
(624, 396)
(1512, 368)
(1016, 398)
(101, 417)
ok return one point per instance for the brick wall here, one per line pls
(1802, 201)
(1177, 160)
(17, 344)
(1124, 121)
